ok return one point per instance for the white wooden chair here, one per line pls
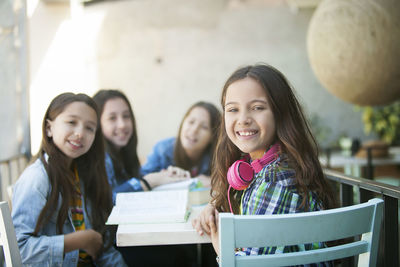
(237, 231)
(8, 239)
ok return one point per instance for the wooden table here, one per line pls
(161, 234)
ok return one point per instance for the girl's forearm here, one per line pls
(87, 240)
(145, 185)
(153, 179)
(73, 241)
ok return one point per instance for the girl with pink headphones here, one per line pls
(266, 159)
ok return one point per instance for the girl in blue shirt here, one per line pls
(120, 138)
(61, 202)
(189, 154)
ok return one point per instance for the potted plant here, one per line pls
(384, 121)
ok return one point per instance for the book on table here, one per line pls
(198, 194)
(167, 206)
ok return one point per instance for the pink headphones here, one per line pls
(241, 173)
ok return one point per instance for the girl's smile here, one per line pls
(247, 134)
(249, 121)
(76, 144)
(191, 140)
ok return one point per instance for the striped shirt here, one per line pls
(78, 221)
(273, 191)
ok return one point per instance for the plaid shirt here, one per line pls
(273, 191)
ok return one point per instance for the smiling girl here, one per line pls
(189, 154)
(264, 127)
(62, 200)
(120, 137)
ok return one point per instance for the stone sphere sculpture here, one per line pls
(354, 49)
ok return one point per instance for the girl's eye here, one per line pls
(126, 116)
(71, 122)
(232, 110)
(90, 129)
(205, 127)
(112, 118)
(258, 108)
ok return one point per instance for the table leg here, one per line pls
(199, 255)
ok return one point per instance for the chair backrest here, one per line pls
(8, 238)
(240, 231)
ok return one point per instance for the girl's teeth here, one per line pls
(75, 144)
(246, 133)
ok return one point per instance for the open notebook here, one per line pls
(150, 207)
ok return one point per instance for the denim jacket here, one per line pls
(162, 157)
(130, 185)
(31, 192)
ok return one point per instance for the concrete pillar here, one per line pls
(14, 110)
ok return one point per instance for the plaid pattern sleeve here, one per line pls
(273, 191)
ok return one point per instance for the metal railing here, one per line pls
(10, 169)
(366, 189)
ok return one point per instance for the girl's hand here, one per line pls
(177, 172)
(201, 224)
(163, 177)
(213, 223)
(93, 243)
(88, 240)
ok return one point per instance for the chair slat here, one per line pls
(304, 257)
(8, 237)
(304, 228)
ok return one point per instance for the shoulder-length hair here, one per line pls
(181, 158)
(292, 133)
(125, 161)
(90, 167)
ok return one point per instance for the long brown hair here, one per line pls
(91, 171)
(181, 158)
(126, 159)
(292, 133)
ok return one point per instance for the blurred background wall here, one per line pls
(166, 55)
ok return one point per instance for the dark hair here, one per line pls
(292, 133)
(181, 158)
(125, 161)
(90, 167)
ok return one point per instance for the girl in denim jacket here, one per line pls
(62, 200)
(124, 174)
(120, 137)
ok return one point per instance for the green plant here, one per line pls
(384, 121)
(320, 131)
